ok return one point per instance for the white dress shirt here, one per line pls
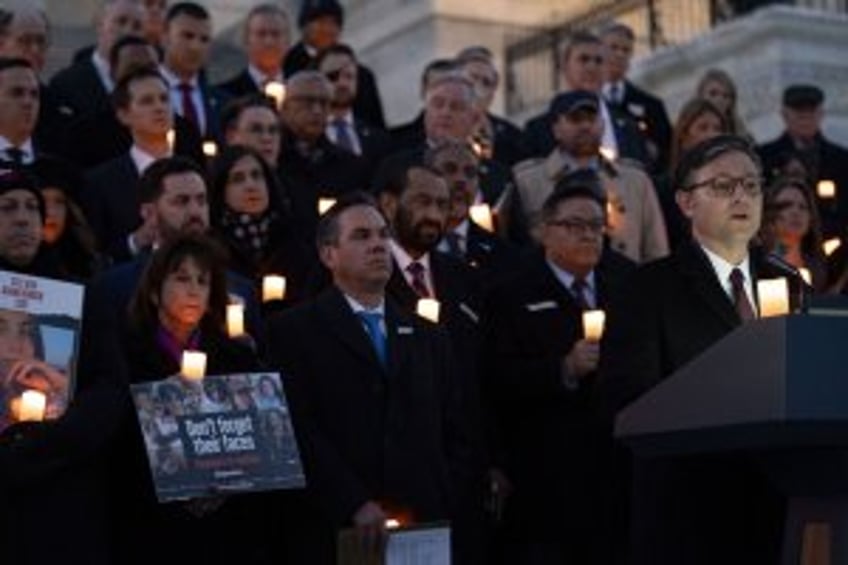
(590, 292)
(174, 83)
(27, 150)
(104, 71)
(723, 269)
(261, 79)
(351, 131)
(403, 261)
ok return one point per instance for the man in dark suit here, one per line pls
(173, 198)
(803, 112)
(411, 133)
(541, 369)
(310, 165)
(646, 110)
(86, 84)
(188, 36)
(321, 24)
(702, 510)
(266, 42)
(344, 128)
(583, 69)
(373, 393)
(253, 121)
(19, 105)
(488, 255)
(110, 200)
(499, 139)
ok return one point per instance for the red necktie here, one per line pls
(740, 297)
(189, 110)
(419, 285)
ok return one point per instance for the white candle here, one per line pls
(826, 189)
(831, 245)
(171, 136)
(273, 288)
(593, 324)
(32, 407)
(277, 91)
(481, 214)
(608, 153)
(392, 524)
(805, 274)
(428, 308)
(325, 204)
(194, 365)
(774, 297)
(210, 149)
(235, 320)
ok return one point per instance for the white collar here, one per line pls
(173, 80)
(723, 268)
(567, 278)
(358, 307)
(104, 70)
(141, 158)
(347, 118)
(462, 229)
(260, 78)
(26, 147)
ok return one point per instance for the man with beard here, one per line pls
(373, 392)
(345, 129)
(636, 225)
(173, 201)
(488, 255)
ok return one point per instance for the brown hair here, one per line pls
(691, 111)
(811, 244)
(144, 306)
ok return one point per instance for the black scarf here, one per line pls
(248, 233)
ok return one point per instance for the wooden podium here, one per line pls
(776, 389)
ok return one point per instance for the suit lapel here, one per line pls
(399, 332)
(400, 290)
(701, 276)
(345, 326)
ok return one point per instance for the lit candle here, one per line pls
(774, 297)
(235, 320)
(171, 136)
(831, 245)
(428, 308)
(826, 189)
(481, 214)
(210, 149)
(325, 204)
(608, 153)
(805, 274)
(392, 524)
(277, 91)
(593, 324)
(32, 407)
(194, 365)
(273, 288)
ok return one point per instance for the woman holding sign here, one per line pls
(180, 305)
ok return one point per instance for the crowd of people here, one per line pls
(169, 198)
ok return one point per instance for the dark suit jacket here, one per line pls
(488, 256)
(376, 145)
(827, 161)
(111, 204)
(54, 118)
(367, 104)
(546, 434)
(409, 135)
(214, 101)
(696, 509)
(240, 85)
(538, 137)
(79, 87)
(650, 116)
(508, 150)
(368, 433)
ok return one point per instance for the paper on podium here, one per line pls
(425, 544)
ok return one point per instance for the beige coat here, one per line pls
(634, 216)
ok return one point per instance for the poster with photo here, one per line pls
(220, 434)
(40, 325)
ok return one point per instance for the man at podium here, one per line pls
(698, 509)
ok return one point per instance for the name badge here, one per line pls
(540, 306)
(404, 330)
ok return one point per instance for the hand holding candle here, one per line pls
(273, 288)
(193, 365)
(32, 407)
(774, 297)
(428, 308)
(593, 325)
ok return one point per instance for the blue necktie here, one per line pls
(375, 332)
(343, 137)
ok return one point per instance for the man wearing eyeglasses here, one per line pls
(636, 225)
(542, 372)
(717, 510)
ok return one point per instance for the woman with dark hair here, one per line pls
(65, 228)
(179, 304)
(792, 229)
(251, 219)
